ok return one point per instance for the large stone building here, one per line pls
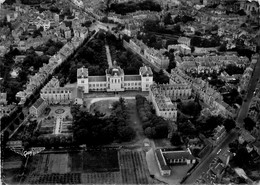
(162, 95)
(115, 80)
(54, 94)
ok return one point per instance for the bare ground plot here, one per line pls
(43, 164)
(133, 167)
(100, 161)
(90, 167)
(101, 178)
(54, 178)
(94, 161)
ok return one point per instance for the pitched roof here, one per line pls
(183, 154)
(82, 72)
(97, 79)
(146, 71)
(161, 160)
(132, 78)
(38, 103)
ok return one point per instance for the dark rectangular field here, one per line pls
(94, 161)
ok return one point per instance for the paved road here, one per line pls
(244, 109)
(203, 167)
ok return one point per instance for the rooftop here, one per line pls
(132, 78)
(97, 78)
(38, 103)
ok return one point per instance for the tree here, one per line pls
(176, 139)
(126, 133)
(249, 124)
(168, 19)
(161, 78)
(229, 124)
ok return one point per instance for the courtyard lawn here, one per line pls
(103, 106)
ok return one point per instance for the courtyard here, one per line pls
(57, 121)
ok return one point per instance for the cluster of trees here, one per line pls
(124, 8)
(151, 40)
(190, 127)
(191, 108)
(97, 129)
(50, 47)
(153, 126)
(127, 60)
(214, 41)
(160, 77)
(249, 124)
(179, 18)
(31, 64)
(92, 56)
(154, 26)
(233, 69)
(233, 97)
(172, 62)
(33, 2)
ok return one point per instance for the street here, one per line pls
(204, 165)
(251, 88)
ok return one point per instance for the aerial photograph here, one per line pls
(120, 92)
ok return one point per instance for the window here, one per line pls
(128, 84)
(97, 85)
(147, 79)
(89, 85)
(139, 83)
(147, 85)
(135, 83)
(82, 81)
(94, 85)
(132, 84)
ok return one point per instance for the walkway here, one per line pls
(94, 100)
(109, 60)
(58, 125)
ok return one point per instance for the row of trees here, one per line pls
(153, 126)
(124, 8)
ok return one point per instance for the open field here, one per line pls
(88, 167)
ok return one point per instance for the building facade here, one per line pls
(115, 80)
